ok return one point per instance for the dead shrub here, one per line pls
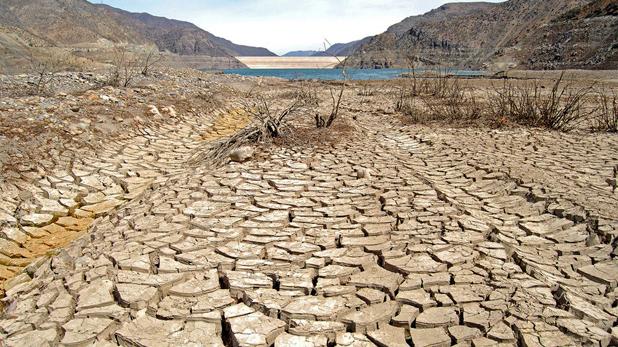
(46, 72)
(268, 123)
(440, 98)
(128, 65)
(125, 67)
(149, 60)
(607, 115)
(561, 108)
(366, 89)
(336, 96)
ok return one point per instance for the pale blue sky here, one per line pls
(285, 25)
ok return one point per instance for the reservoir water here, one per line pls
(334, 74)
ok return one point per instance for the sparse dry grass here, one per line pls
(607, 115)
(563, 106)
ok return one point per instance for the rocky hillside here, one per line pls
(536, 34)
(80, 24)
(345, 49)
(180, 37)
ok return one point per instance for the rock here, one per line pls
(502, 333)
(242, 154)
(329, 329)
(37, 219)
(407, 315)
(135, 296)
(153, 111)
(371, 296)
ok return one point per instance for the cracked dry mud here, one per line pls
(395, 236)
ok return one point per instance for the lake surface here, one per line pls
(333, 74)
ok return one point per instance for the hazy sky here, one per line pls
(285, 25)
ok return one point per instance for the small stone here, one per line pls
(242, 154)
(37, 219)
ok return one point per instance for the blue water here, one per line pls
(333, 74)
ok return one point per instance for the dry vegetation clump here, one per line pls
(562, 107)
(268, 123)
(128, 66)
(45, 71)
(607, 115)
(336, 90)
(441, 98)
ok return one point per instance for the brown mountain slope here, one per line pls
(494, 35)
(69, 22)
(180, 37)
(78, 23)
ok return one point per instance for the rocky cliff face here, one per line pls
(537, 34)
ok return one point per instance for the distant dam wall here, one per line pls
(290, 62)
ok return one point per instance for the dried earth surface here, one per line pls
(393, 235)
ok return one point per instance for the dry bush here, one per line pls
(306, 92)
(268, 123)
(437, 99)
(149, 60)
(561, 108)
(607, 114)
(127, 65)
(46, 72)
(336, 96)
(366, 89)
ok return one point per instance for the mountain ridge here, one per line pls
(80, 25)
(495, 36)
